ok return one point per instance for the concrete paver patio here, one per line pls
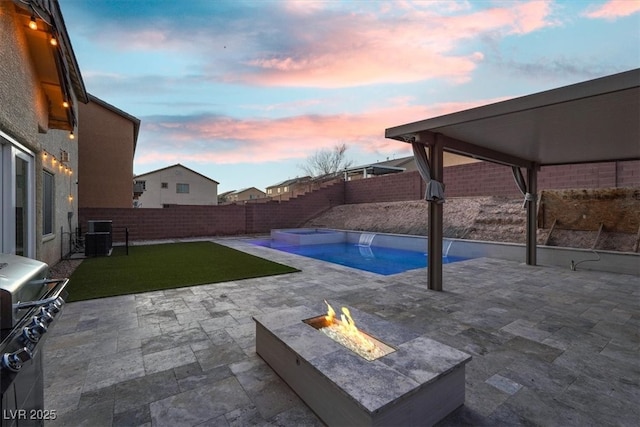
(550, 346)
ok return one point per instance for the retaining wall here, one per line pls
(474, 179)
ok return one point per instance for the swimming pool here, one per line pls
(375, 259)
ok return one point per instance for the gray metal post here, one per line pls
(532, 186)
(435, 220)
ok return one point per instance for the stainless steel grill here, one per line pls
(29, 305)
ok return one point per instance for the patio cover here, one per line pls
(592, 121)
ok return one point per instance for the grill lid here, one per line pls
(21, 280)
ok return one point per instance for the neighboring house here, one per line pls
(251, 193)
(175, 185)
(376, 169)
(40, 90)
(108, 138)
(403, 164)
(224, 197)
(289, 188)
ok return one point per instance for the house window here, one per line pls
(143, 184)
(48, 191)
(278, 190)
(286, 189)
(165, 185)
(182, 188)
(270, 191)
(17, 198)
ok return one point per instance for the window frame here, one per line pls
(48, 215)
(183, 186)
(10, 150)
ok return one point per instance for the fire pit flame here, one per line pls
(345, 332)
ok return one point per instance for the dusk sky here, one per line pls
(245, 91)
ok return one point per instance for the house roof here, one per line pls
(592, 121)
(404, 164)
(290, 181)
(246, 189)
(375, 169)
(132, 119)
(177, 165)
(56, 68)
(399, 162)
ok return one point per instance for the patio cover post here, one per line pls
(532, 221)
(434, 269)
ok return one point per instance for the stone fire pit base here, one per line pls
(419, 384)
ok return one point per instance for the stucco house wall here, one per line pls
(202, 190)
(107, 145)
(25, 129)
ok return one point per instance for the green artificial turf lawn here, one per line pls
(157, 267)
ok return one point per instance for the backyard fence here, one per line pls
(469, 180)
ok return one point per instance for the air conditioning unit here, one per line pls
(97, 244)
(99, 240)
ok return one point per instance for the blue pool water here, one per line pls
(375, 259)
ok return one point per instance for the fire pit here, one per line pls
(345, 332)
(417, 381)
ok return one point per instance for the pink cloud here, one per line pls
(223, 140)
(365, 49)
(613, 9)
(317, 45)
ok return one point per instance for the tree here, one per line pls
(327, 162)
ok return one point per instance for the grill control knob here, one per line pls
(13, 361)
(54, 307)
(34, 330)
(44, 316)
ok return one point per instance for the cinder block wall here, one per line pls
(475, 179)
(489, 179)
(182, 221)
(387, 188)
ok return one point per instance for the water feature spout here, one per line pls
(366, 239)
(446, 252)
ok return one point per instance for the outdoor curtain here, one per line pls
(522, 185)
(435, 189)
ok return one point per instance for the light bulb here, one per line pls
(33, 24)
(71, 135)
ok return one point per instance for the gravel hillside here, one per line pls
(496, 219)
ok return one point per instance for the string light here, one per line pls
(65, 104)
(33, 24)
(62, 168)
(53, 40)
(71, 135)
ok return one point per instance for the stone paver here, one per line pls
(550, 346)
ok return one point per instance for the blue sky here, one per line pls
(245, 91)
